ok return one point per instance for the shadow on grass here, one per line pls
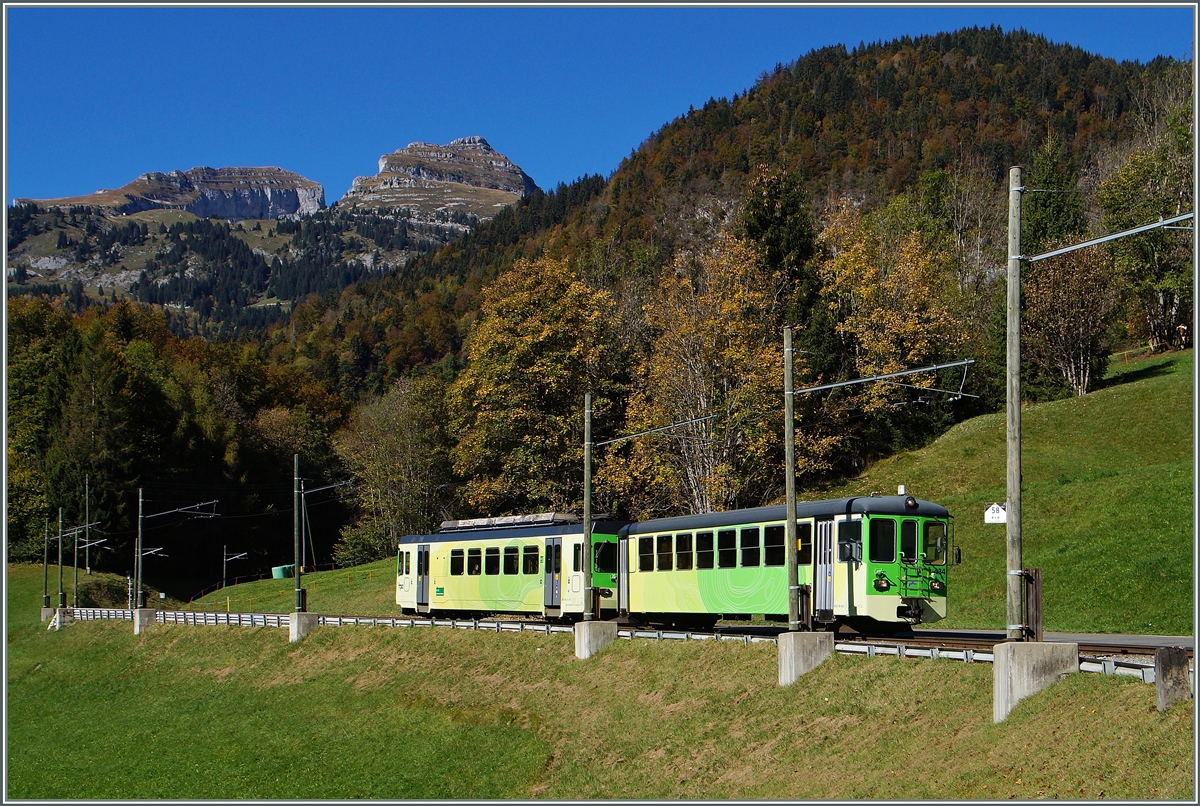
(1144, 373)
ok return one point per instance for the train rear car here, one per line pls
(522, 564)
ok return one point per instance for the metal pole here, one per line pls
(62, 595)
(303, 519)
(75, 563)
(224, 562)
(46, 565)
(137, 561)
(1013, 506)
(587, 507)
(87, 519)
(789, 475)
(296, 531)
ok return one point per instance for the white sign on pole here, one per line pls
(995, 513)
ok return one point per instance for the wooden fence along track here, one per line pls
(965, 650)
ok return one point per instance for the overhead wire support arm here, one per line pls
(654, 430)
(1167, 222)
(902, 373)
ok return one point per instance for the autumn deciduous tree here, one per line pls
(714, 351)
(890, 299)
(542, 340)
(1155, 182)
(1070, 301)
(398, 450)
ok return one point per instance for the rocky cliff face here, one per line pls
(464, 176)
(231, 193)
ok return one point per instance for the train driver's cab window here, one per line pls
(645, 553)
(530, 558)
(774, 545)
(850, 541)
(933, 544)
(491, 564)
(882, 535)
(512, 560)
(683, 552)
(750, 550)
(605, 561)
(804, 543)
(727, 549)
(704, 550)
(665, 552)
(456, 562)
(474, 562)
(908, 541)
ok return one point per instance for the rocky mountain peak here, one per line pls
(465, 175)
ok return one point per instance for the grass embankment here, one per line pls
(95, 712)
(1106, 498)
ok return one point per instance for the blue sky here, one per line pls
(96, 96)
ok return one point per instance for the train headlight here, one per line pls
(882, 584)
(937, 586)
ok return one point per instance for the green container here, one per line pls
(283, 571)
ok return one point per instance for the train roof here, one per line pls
(864, 505)
(606, 526)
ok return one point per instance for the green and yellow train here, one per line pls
(867, 562)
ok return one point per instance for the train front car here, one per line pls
(694, 570)
(523, 565)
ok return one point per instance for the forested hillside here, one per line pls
(857, 195)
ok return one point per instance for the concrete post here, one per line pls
(1020, 670)
(801, 652)
(47, 613)
(300, 625)
(593, 636)
(1172, 679)
(143, 617)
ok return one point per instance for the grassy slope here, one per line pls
(1107, 503)
(220, 712)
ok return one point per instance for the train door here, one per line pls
(823, 572)
(623, 575)
(423, 576)
(553, 573)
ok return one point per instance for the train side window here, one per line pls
(407, 563)
(474, 562)
(664, 552)
(908, 541)
(774, 546)
(456, 562)
(491, 561)
(727, 549)
(512, 560)
(883, 540)
(645, 553)
(933, 546)
(804, 543)
(530, 561)
(750, 550)
(577, 558)
(704, 549)
(605, 560)
(683, 552)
